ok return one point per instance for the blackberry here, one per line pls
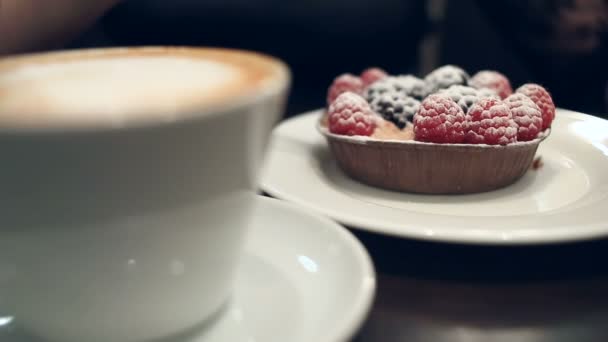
(395, 107)
(413, 86)
(487, 92)
(407, 85)
(466, 96)
(444, 77)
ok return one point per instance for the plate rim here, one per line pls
(565, 235)
(354, 316)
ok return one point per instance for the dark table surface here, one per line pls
(445, 292)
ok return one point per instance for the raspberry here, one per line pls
(527, 116)
(396, 107)
(445, 76)
(543, 100)
(371, 75)
(407, 85)
(344, 83)
(466, 96)
(493, 80)
(490, 121)
(350, 114)
(439, 120)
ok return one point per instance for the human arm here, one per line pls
(28, 25)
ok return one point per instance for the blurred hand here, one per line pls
(28, 25)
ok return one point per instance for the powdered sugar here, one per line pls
(445, 76)
(490, 122)
(372, 75)
(379, 137)
(542, 99)
(360, 117)
(348, 99)
(492, 80)
(395, 107)
(466, 96)
(437, 104)
(350, 114)
(487, 92)
(344, 83)
(526, 114)
(524, 120)
(392, 98)
(439, 120)
(407, 85)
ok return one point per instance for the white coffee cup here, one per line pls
(127, 185)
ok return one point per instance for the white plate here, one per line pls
(303, 278)
(565, 200)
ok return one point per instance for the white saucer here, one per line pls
(303, 278)
(565, 200)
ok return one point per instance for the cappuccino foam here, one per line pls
(116, 88)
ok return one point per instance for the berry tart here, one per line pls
(446, 133)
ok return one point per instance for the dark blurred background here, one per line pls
(558, 43)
